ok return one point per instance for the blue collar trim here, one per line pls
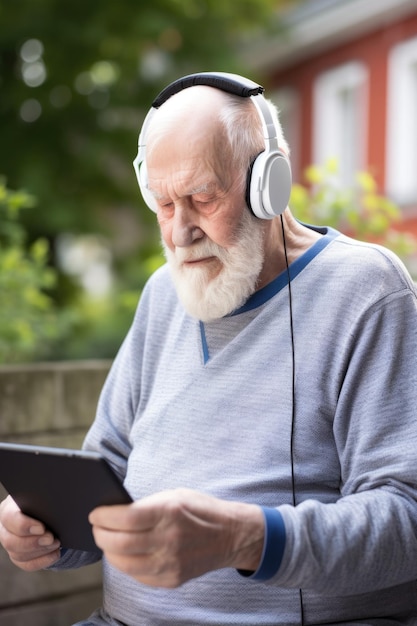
(270, 290)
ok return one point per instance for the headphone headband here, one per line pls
(231, 83)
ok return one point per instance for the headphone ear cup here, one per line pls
(269, 184)
(143, 185)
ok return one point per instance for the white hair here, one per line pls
(243, 127)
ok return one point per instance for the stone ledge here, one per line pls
(48, 404)
(19, 588)
(46, 397)
(58, 612)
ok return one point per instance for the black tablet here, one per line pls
(60, 487)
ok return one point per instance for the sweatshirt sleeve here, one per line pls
(119, 400)
(367, 539)
(121, 394)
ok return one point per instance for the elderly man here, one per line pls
(262, 408)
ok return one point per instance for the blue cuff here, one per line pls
(274, 544)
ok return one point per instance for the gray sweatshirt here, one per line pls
(211, 407)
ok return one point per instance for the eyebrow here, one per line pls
(204, 188)
(156, 194)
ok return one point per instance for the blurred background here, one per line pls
(77, 78)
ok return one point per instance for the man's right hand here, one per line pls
(29, 545)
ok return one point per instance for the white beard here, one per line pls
(209, 298)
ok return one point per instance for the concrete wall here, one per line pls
(50, 404)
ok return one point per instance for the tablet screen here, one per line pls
(60, 487)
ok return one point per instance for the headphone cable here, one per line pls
(292, 440)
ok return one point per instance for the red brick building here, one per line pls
(344, 74)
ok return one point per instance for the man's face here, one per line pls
(213, 244)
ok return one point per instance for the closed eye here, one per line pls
(204, 204)
(166, 208)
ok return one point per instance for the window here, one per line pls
(340, 105)
(287, 101)
(401, 159)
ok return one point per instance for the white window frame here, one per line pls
(287, 101)
(340, 105)
(401, 150)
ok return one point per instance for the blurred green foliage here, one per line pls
(28, 321)
(77, 78)
(359, 211)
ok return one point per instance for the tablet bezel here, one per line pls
(60, 487)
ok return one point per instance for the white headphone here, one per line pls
(269, 178)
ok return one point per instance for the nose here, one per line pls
(185, 228)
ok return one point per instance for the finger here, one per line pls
(141, 515)
(33, 553)
(14, 521)
(36, 562)
(135, 517)
(29, 545)
(123, 542)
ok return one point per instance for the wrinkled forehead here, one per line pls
(180, 168)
